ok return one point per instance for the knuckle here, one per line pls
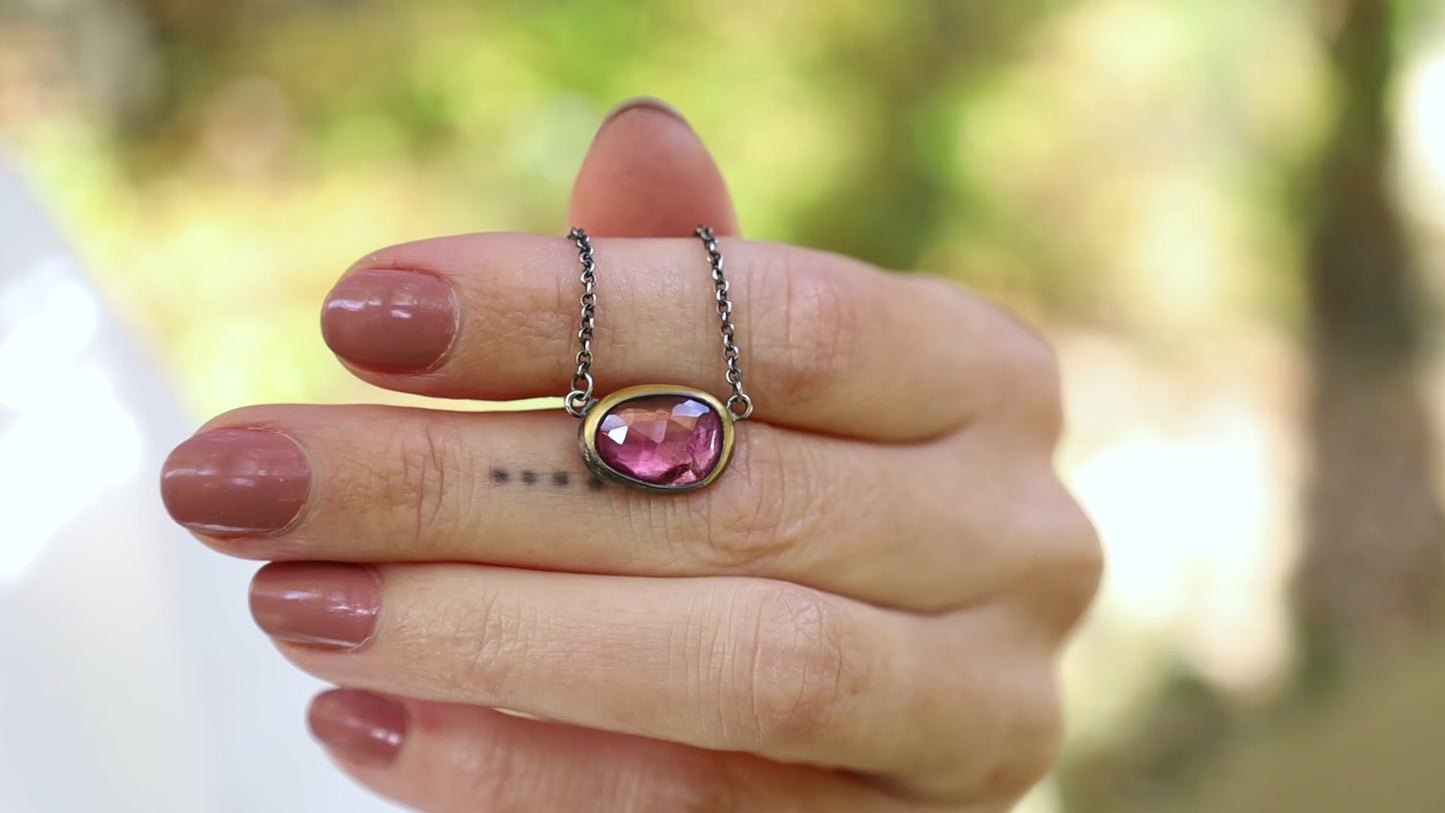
(488, 773)
(1020, 364)
(1037, 362)
(1082, 561)
(769, 509)
(1016, 726)
(703, 785)
(1036, 382)
(1016, 756)
(1046, 553)
(802, 359)
(495, 772)
(434, 493)
(489, 640)
(1070, 561)
(794, 665)
(1036, 733)
(743, 528)
(527, 323)
(433, 461)
(1033, 387)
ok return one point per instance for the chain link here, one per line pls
(739, 405)
(580, 398)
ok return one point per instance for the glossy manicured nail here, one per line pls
(645, 103)
(394, 321)
(317, 603)
(231, 482)
(358, 725)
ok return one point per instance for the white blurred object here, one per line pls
(131, 677)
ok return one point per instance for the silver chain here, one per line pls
(731, 354)
(580, 398)
(739, 404)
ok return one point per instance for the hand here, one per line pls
(862, 614)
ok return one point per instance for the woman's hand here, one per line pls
(862, 614)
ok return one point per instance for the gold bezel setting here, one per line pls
(587, 437)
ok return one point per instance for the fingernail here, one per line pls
(359, 725)
(645, 103)
(317, 603)
(230, 482)
(395, 321)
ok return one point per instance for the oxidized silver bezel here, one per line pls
(587, 436)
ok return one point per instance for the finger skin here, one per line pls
(926, 528)
(828, 343)
(461, 759)
(647, 174)
(723, 663)
(949, 708)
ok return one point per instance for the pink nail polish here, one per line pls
(359, 725)
(232, 482)
(317, 603)
(394, 321)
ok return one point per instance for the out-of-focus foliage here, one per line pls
(1137, 176)
(1111, 161)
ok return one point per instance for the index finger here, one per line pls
(828, 343)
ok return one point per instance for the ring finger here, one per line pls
(726, 664)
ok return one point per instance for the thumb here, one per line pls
(647, 174)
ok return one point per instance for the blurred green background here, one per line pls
(1229, 215)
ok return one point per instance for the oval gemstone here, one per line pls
(663, 440)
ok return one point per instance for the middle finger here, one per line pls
(924, 527)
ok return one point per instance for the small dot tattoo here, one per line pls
(529, 477)
(559, 478)
(500, 476)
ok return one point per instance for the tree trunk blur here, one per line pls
(189, 42)
(1371, 573)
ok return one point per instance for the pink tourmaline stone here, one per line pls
(665, 440)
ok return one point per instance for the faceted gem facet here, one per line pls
(663, 440)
